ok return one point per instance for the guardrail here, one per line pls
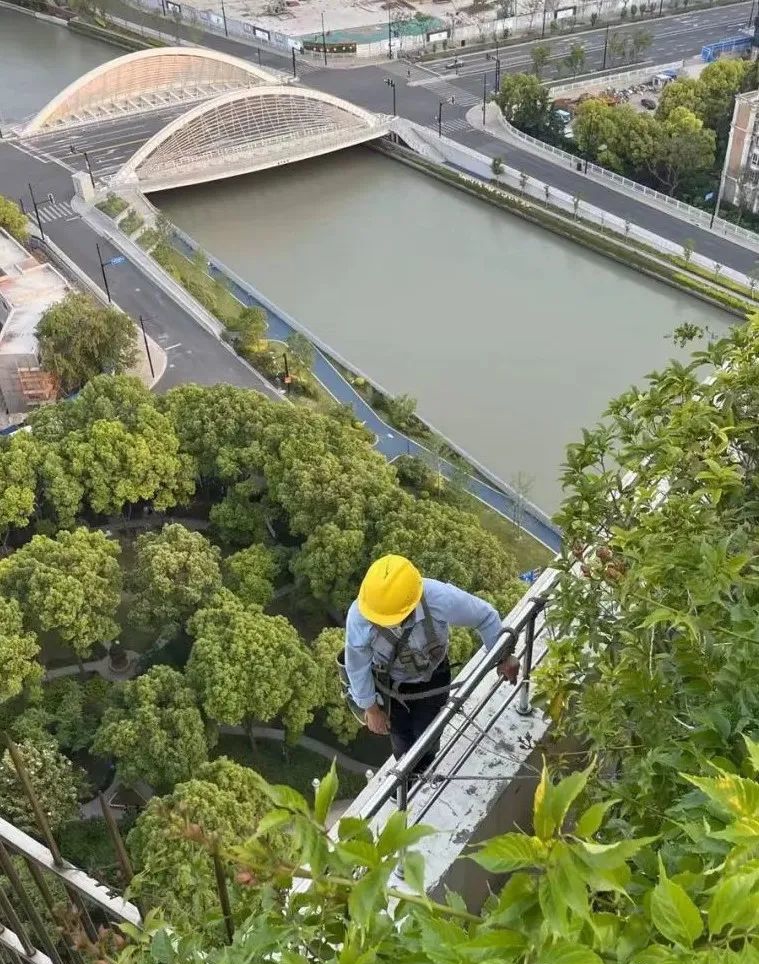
(603, 80)
(695, 216)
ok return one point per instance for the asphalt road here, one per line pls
(194, 355)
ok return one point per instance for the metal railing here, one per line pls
(525, 634)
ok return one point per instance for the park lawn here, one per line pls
(298, 771)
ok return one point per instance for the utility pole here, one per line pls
(295, 72)
(389, 35)
(439, 126)
(545, 10)
(86, 160)
(661, 3)
(147, 348)
(751, 15)
(224, 16)
(36, 212)
(324, 41)
(391, 83)
(102, 269)
(606, 45)
(484, 96)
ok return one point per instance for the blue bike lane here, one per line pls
(390, 442)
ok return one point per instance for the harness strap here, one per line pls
(404, 698)
(403, 653)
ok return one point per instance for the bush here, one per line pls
(148, 239)
(113, 205)
(131, 223)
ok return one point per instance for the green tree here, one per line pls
(302, 351)
(250, 326)
(73, 710)
(69, 586)
(53, 780)
(240, 517)
(248, 666)
(327, 645)
(524, 102)
(496, 166)
(13, 220)
(176, 571)
(448, 544)
(329, 564)
(575, 59)
(250, 574)
(640, 40)
(683, 92)
(401, 410)
(541, 54)
(154, 730)
(20, 457)
(18, 652)
(223, 799)
(79, 339)
(682, 147)
(594, 125)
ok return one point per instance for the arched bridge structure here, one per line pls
(146, 81)
(247, 130)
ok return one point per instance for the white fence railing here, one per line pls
(623, 79)
(687, 212)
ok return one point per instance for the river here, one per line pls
(510, 338)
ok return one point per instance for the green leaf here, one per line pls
(542, 811)
(752, 749)
(553, 906)
(286, 798)
(673, 913)
(564, 794)
(368, 896)
(325, 794)
(358, 853)
(610, 856)
(731, 903)
(563, 952)
(396, 835)
(350, 828)
(161, 948)
(565, 879)
(273, 819)
(591, 819)
(733, 793)
(511, 851)
(635, 935)
(505, 942)
(606, 928)
(413, 871)
(656, 955)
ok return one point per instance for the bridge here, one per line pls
(174, 116)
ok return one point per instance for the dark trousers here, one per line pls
(409, 721)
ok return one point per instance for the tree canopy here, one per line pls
(247, 666)
(327, 645)
(13, 220)
(78, 339)
(18, 652)
(250, 574)
(154, 730)
(176, 572)
(524, 102)
(69, 586)
(53, 780)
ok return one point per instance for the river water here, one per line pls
(510, 338)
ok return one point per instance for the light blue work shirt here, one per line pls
(448, 606)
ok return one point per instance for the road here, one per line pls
(194, 355)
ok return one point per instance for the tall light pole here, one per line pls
(606, 45)
(324, 41)
(86, 160)
(484, 96)
(102, 269)
(389, 35)
(391, 83)
(147, 348)
(295, 72)
(497, 59)
(36, 211)
(224, 17)
(451, 100)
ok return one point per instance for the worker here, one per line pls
(396, 647)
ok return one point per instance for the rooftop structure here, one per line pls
(740, 177)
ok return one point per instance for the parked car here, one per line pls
(452, 65)
(648, 103)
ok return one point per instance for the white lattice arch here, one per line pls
(145, 80)
(248, 130)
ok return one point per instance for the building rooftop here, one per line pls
(27, 290)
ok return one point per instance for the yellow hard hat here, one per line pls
(391, 589)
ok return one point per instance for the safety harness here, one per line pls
(398, 652)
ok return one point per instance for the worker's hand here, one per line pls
(509, 669)
(377, 721)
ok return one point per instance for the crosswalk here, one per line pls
(54, 210)
(457, 124)
(445, 91)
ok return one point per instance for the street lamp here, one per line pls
(86, 156)
(450, 100)
(606, 45)
(147, 347)
(224, 17)
(497, 60)
(484, 96)
(324, 41)
(391, 83)
(36, 211)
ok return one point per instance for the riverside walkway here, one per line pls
(390, 442)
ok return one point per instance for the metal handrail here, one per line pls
(396, 786)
